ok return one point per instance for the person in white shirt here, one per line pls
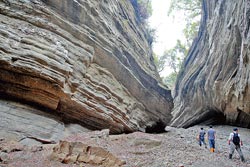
(235, 143)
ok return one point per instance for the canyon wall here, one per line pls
(213, 85)
(84, 61)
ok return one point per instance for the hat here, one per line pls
(235, 129)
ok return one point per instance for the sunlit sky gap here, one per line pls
(168, 29)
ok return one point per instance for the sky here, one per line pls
(168, 29)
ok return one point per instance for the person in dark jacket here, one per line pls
(235, 142)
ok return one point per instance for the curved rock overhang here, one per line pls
(88, 61)
(213, 86)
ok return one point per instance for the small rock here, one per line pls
(169, 128)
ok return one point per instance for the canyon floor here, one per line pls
(170, 149)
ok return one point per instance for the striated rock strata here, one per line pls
(30, 126)
(88, 61)
(213, 86)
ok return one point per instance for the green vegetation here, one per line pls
(192, 12)
(173, 58)
(143, 9)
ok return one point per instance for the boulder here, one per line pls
(77, 152)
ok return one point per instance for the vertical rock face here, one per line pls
(214, 83)
(88, 61)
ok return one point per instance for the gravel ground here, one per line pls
(169, 149)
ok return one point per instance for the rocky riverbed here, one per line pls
(174, 148)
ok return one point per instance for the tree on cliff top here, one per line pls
(143, 9)
(192, 12)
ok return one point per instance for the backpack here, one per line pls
(236, 139)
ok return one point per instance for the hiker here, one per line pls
(201, 137)
(235, 143)
(211, 138)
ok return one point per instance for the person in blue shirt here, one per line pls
(202, 137)
(211, 138)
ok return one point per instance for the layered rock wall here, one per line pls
(213, 86)
(88, 61)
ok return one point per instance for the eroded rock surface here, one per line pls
(31, 126)
(88, 61)
(177, 146)
(77, 152)
(214, 83)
